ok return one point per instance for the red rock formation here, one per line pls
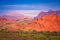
(48, 23)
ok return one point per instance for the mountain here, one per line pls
(13, 15)
(41, 14)
(49, 21)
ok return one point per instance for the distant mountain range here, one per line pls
(13, 16)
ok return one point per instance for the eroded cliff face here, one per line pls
(50, 22)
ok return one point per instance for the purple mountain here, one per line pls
(41, 14)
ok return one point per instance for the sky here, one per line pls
(32, 5)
